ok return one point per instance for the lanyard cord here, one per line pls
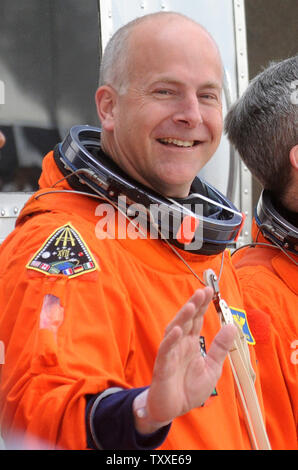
(181, 257)
(102, 196)
(190, 268)
(270, 245)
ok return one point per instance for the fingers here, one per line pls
(189, 318)
(187, 323)
(221, 344)
(201, 310)
(170, 340)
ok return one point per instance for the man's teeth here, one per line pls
(180, 143)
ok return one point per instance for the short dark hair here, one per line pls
(263, 124)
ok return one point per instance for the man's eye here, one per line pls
(164, 92)
(209, 96)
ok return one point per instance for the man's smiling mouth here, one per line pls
(178, 142)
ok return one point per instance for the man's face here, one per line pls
(168, 123)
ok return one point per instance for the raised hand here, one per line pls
(182, 378)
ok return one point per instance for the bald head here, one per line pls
(136, 40)
(159, 102)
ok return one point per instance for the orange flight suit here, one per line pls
(270, 287)
(105, 328)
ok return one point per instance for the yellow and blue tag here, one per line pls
(241, 319)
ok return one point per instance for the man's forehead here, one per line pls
(173, 80)
(153, 39)
(159, 50)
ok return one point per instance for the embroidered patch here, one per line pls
(241, 319)
(64, 252)
(204, 353)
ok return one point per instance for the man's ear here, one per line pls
(294, 157)
(105, 99)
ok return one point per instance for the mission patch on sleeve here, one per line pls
(64, 252)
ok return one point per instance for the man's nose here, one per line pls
(188, 112)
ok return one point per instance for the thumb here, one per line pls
(221, 344)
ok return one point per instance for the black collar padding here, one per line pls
(219, 222)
